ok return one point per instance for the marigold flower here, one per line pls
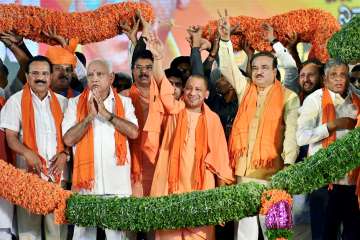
(88, 27)
(313, 26)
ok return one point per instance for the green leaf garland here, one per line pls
(344, 44)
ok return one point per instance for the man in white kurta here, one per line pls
(314, 129)
(29, 225)
(110, 179)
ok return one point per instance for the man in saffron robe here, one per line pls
(262, 140)
(193, 154)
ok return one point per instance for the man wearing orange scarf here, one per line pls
(263, 138)
(193, 154)
(32, 122)
(143, 151)
(326, 115)
(98, 123)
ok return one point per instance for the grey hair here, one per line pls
(106, 63)
(332, 63)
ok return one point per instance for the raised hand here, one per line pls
(10, 37)
(292, 40)
(155, 46)
(245, 45)
(224, 29)
(268, 32)
(146, 26)
(51, 34)
(131, 33)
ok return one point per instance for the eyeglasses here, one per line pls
(143, 68)
(97, 74)
(38, 74)
(59, 68)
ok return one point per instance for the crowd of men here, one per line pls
(194, 126)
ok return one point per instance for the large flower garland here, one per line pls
(29, 191)
(88, 27)
(326, 166)
(345, 43)
(312, 25)
(186, 210)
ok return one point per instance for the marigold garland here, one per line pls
(312, 25)
(32, 193)
(88, 27)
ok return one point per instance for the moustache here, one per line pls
(40, 81)
(143, 75)
(259, 75)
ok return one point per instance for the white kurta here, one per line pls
(29, 225)
(310, 128)
(110, 178)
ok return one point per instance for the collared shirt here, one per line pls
(110, 178)
(11, 118)
(290, 150)
(311, 130)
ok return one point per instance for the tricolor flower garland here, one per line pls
(186, 210)
(314, 26)
(88, 27)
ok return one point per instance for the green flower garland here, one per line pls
(326, 166)
(193, 209)
(344, 44)
(217, 205)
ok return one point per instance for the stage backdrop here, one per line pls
(174, 16)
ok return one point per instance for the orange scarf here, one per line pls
(28, 124)
(148, 141)
(83, 173)
(267, 140)
(328, 115)
(201, 150)
(136, 149)
(2, 102)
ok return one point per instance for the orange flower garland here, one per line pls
(271, 197)
(312, 25)
(88, 27)
(32, 193)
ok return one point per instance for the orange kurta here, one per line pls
(217, 151)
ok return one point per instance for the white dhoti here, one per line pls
(6, 219)
(29, 226)
(248, 228)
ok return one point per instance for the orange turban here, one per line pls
(66, 55)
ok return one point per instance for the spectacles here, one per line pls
(38, 74)
(143, 68)
(97, 74)
(59, 68)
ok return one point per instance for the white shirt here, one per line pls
(11, 118)
(110, 178)
(310, 128)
